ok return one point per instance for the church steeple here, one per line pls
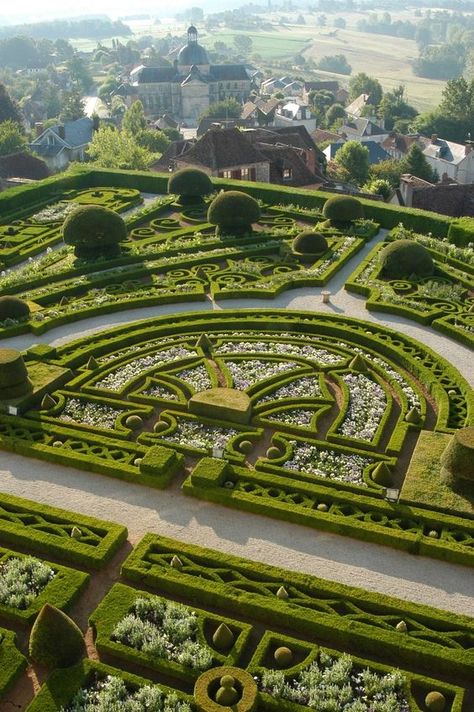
(192, 34)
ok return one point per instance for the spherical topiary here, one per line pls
(55, 639)
(457, 460)
(283, 656)
(435, 701)
(246, 446)
(309, 245)
(404, 258)
(233, 212)
(273, 452)
(14, 381)
(190, 184)
(94, 231)
(134, 422)
(341, 210)
(13, 308)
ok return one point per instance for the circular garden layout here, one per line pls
(318, 419)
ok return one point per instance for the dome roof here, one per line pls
(192, 53)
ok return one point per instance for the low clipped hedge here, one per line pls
(12, 662)
(101, 538)
(338, 623)
(461, 232)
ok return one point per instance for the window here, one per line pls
(287, 174)
(227, 174)
(245, 173)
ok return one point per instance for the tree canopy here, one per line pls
(11, 138)
(363, 84)
(354, 158)
(8, 109)
(118, 149)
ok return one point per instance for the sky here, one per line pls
(22, 11)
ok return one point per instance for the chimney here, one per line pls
(39, 128)
(468, 147)
(61, 131)
(434, 138)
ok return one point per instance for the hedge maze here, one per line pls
(315, 418)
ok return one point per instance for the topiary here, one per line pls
(13, 308)
(133, 422)
(55, 639)
(14, 381)
(245, 446)
(233, 212)
(341, 210)
(223, 638)
(283, 656)
(403, 258)
(309, 245)
(273, 452)
(227, 694)
(435, 701)
(457, 461)
(190, 184)
(94, 231)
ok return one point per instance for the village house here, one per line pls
(60, 144)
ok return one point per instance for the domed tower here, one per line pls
(193, 54)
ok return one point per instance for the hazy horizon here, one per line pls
(26, 11)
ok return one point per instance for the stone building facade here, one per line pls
(186, 89)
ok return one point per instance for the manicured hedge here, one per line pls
(12, 662)
(340, 615)
(42, 529)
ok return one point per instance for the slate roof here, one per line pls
(209, 123)
(361, 127)
(399, 142)
(321, 136)
(443, 150)
(321, 86)
(76, 133)
(159, 75)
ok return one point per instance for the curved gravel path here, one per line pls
(168, 512)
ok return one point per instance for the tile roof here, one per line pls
(219, 148)
(355, 108)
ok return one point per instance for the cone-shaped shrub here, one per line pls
(341, 210)
(405, 258)
(413, 416)
(176, 562)
(282, 593)
(358, 363)
(47, 402)
(382, 475)
(223, 637)
(233, 212)
(190, 184)
(55, 639)
(13, 308)
(14, 381)
(204, 343)
(458, 459)
(94, 232)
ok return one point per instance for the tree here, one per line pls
(226, 109)
(440, 62)
(416, 164)
(243, 43)
(153, 140)
(340, 23)
(11, 138)
(454, 118)
(379, 186)
(354, 158)
(393, 107)
(336, 63)
(72, 108)
(336, 111)
(389, 170)
(8, 108)
(118, 149)
(363, 84)
(79, 73)
(134, 119)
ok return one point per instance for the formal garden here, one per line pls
(318, 418)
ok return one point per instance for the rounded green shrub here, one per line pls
(227, 694)
(341, 210)
(208, 696)
(13, 308)
(134, 422)
(404, 258)
(190, 184)
(309, 245)
(273, 452)
(233, 212)
(14, 381)
(283, 656)
(246, 446)
(55, 639)
(457, 461)
(94, 231)
(435, 701)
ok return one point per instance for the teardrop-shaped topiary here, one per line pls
(55, 639)
(223, 638)
(47, 402)
(382, 475)
(76, 533)
(283, 656)
(401, 627)
(92, 364)
(358, 363)
(435, 701)
(282, 593)
(458, 458)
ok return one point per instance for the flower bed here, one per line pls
(22, 580)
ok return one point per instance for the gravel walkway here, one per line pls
(260, 538)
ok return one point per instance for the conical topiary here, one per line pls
(55, 639)
(457, 460)
(176, 562)
(282, 593)
(382, 475)
(47, 402)
(223, 638)
(204, 343)
(358, 363)
(92, 364)
(76, 533)
(401, 627)
(413, 416)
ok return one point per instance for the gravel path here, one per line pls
(260, 538)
